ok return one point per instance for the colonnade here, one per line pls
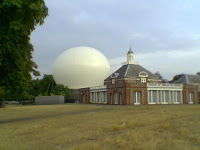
(164, 97)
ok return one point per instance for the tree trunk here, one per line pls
(2, 102)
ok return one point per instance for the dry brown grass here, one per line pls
(165, 127)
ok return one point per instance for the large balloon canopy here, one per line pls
(81, 67)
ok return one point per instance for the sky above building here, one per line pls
(163, 34)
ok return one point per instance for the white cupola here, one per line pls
(130, 57)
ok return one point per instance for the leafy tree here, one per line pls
(62, 90)
(18, 19)
(176, 77)
(46, 85)
(2, 93)
(158, 75)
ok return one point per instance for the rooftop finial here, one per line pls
(130, 51)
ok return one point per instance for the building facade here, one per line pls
(134, 85)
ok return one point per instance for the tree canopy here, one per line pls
(47, 87)
(18, 18)
(176, 77)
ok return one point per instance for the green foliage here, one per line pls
(60, 89)
(158, 75)
(47, 86)
(43, 87)
(2, 92)
(51, 94)
(176, 77)
(18, 19)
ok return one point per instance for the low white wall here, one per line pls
(48, 100)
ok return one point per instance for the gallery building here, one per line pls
(133, 85)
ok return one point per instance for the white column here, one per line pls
(170, 101)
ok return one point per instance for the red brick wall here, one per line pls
(85, 92)
(190, 89)
(126, 89)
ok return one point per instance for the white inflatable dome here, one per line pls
(81, 67)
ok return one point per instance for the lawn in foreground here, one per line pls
(147, 127)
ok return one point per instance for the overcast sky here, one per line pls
(164, 34)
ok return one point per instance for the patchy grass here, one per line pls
(166, 127)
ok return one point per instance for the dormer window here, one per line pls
(113, 80)
(143, 77)
(113, 77)
(143, 80)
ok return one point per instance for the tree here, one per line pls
(176, 77)
(18, 19)
(60, 89)
(158, 75)
(2, 93)
(46, 85)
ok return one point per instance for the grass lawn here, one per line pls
(100, 127)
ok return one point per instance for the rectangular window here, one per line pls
(175, 97)
(111, 101)
(120, 97)
(116, 98)
(191, 98)
(179, 96)
(113, 80)
(163, 96)
(172, 96)
(93, 100)
(160, 96)
(143, 80)
(166, 96)
(83, 98)
(98, 97)
(137, 97)
(154, 95)
(150, 97)
(104, 97)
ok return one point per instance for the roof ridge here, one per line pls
(186, 78)
(126, 70)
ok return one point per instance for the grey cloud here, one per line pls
(112, 26)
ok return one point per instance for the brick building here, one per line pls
(133, 85)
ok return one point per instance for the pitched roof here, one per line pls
(131, 71)
(185, 79)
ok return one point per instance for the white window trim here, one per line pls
(191, 101)
(113, 80)
(135, 96)
(143, 80)
(150, 102)
(116, 98)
